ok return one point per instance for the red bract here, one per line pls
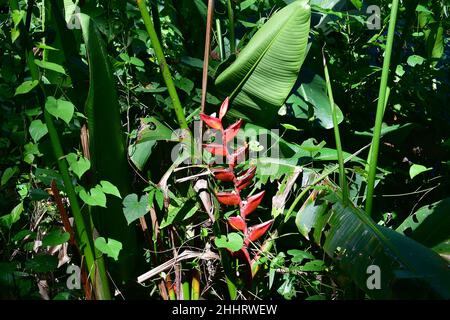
(212, 122)
(241, 182)
(237, 223)
(237, 156)
(225, 175)
(216, 149)
(224, 108)
(228, 198)
(255, 232)
(244, 180)
(251, 204)
(232, 131)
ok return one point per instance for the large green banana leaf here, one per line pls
(355, 242)
(264, 73)
(107, 145)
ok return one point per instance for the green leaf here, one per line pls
(140, 153)
(9, 219)
(415, 60)
(315, 93)
(233, 241)
(299, 255)
(55, 238)
(37, 130)
(355, 242)
(266, 70)
(50, 66)
(275, 264)
(182, 211)
(8, 174)
(288, 126)
(154, 130)
(95, 197)
(26, 87)
(109, 188)
(430, 225)
(134, 208)
(417, 169)
(60, 109)
(111, 247)
(78, 166)
(42, 263)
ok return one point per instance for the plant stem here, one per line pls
(220, 40)
(380, 108)
(231, 26)
(181, 118)
(337, 135)
(95, 265)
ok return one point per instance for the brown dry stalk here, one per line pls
(62, 212)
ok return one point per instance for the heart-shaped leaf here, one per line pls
(60, 109)
(37, 130)
(134, 208)
(95, 197)
(78, 166)
(232, 242)
(111, 247)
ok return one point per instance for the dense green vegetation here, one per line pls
(227, 149)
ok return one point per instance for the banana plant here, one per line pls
(264, 73)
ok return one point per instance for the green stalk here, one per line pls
(95, 265)
(337, 136)
(231, 26)
(220, 40)
(195, 285)
(186, 290)
(380, 108)
(181, 118)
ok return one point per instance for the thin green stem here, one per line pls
(337, 135)
(220, 40)
(231, 26)
(179, 112)
(380, 108)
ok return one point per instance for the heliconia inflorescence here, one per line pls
(240, 181)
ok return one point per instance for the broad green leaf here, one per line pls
(8, 174)
(109, 188)
(60, 109)
(26, 87)
(265, 71)
(140, 153)
(233, 241)
(37, 130)
(315, 93)
(95, 197)
(154, 130)
(356, 242)
(107, 141)
(133, 208)
(55, 238)
(78, 165)
(50, 66)
(109, 247)
(11, 218)
(430, 225)
(417, 169)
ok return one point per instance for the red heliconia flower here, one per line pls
(256, 232)
(232, 131)
(225, 175)
(251, 204)
(228, 198)
(212, 122)
(237, 156)
(216, 149)
(238, 223)
(224, 108)
(245, 179)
